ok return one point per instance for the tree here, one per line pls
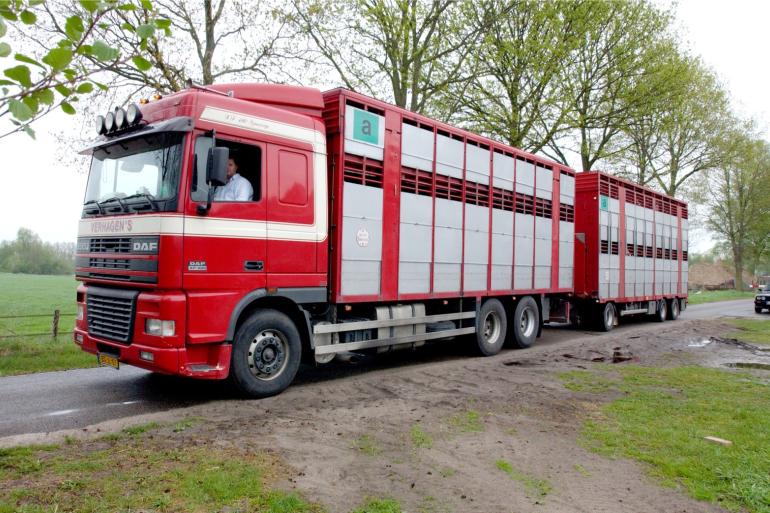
(60, 55)
(613, 72)
(514, 94)
(405, 51)
(737, 199)
(228, 39)
(28, 254)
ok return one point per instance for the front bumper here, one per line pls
(764, 301)
(164, 354)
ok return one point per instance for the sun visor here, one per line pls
(178, 124)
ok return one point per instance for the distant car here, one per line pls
(762, 299)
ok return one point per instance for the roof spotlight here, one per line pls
(100, 128)
(109, 122)
(133, 114)
(120, 119)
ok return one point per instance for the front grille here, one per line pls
(110, 245)
(111, 313)
(110, 263)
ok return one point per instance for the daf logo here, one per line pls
(145, 246)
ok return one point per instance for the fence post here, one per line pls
(55, 325)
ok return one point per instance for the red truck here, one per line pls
(364, 227)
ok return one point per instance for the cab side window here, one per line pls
(244, 172)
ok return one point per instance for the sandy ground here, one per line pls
(350, 437)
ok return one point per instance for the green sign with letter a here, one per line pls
(366, 127)
(604, 202)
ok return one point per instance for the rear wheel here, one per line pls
(266, 354)
(673, 309)
(525, 323)
(757, 309)
(606, 318)
(661, 312)
(491, 327)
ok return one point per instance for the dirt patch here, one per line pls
(453, 433)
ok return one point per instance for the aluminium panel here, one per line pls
(544, 182)
(361, 250)
(448, 246)
(476, 247)
(477, 164)
(502, 166)
(567, 189)
(416, 147)
(502, 249)
(449, 156)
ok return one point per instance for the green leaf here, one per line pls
(8, 14)
(58, 58)
(74, 28)
(163, 23)
(69, 74)
(32, 103)
(33, 3)
(127, 26)
(101, 86)
(27, 130)
(44, 96)
(6, 82)
(3, 28)
(19, 110)
(147, 5)
(84, 88)
(28, 17)
(145, 31)
(63, 90)
(66, 107)
(27, 60)
(141, 63)
(127, 7)
(5, 49)
(85, 50)
(20, 74)
(103, 51)
(90, 5)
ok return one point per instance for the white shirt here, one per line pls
(236, 189)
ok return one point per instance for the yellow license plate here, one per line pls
(107, 360)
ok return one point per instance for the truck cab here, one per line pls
(762, 299)
(168, 269)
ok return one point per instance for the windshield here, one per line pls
(137, 174)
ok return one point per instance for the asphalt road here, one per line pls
(74, 399)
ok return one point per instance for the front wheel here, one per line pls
(662, 311)
(606, 318)
(525, 323)
(266, 354)
(491, 326)
(757, 309)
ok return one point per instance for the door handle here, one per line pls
(253, 265)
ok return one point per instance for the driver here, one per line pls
(237, 187)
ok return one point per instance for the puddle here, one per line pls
(700, 343)
(618, 356)
(749, 365)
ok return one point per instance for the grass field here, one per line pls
(711, 296)
(756, 331)
(24, 294)
(664, 415)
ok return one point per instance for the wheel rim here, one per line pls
(268, 354)
(675, 307)
(527, 323)
(609, 316)
(491, 328)
(662, 309)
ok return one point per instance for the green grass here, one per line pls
(663, 417)
(420, 438)
(368, 445)
(711, 296)
(379, 506)
(534, 486)
(135, 473)
(24, 294)
(467, 422)
(756, 331)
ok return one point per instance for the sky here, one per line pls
(43, 191)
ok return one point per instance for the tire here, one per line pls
(525, 323)
(673, 309)
(605, 320)
(662, 311)
(266, 354)
(491, 327)
(757, 309)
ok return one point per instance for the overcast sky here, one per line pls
(45, 195)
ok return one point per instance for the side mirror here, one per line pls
(216, 166)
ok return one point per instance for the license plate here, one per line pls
(107, 360)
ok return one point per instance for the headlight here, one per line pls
(159, 328)
(81, 312)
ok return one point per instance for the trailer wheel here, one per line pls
(526, 322)
(606, 319)
(266, 354)
(673, 309)
(491, 326)
(662, 311)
